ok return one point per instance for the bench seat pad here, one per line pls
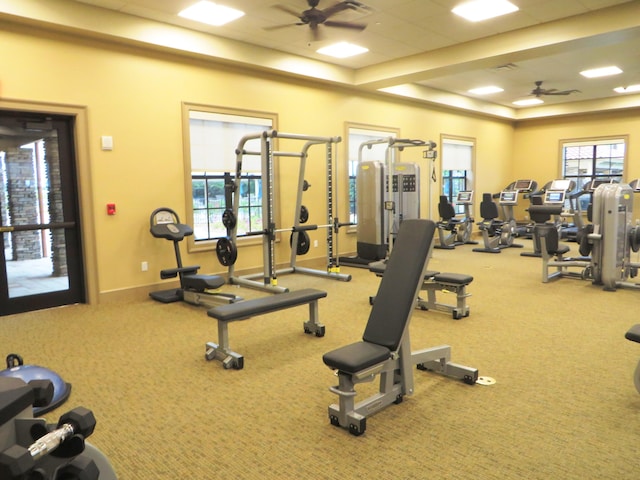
(453, 278)
(379, 268)
(263, 305)
(356, 357)
(203, 282)
(633, 334)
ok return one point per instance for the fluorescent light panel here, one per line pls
(628, 89)
(528, 102)
(210, 13)
(601, 72)
(342, 50)
(478, 10)
(486, 90)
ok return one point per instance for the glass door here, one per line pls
(40, 246)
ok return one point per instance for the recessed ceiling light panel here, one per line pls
(342, 50)
(601, 72)
(528, 102)
(486, 90)
(478, 10)
(627, 89)
(210, 13)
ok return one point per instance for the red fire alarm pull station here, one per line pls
(111, 208)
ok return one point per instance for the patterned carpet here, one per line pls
(564, 405)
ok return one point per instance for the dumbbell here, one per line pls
(73, 427)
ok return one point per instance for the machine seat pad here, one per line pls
(562, 249)
(202, 282)
(453, 278)
(379, 267)
(356, 357)
(260, 306)
(633, 334)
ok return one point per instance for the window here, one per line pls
(213, 137)
(357, 135)
(597, 160)
(457, 168)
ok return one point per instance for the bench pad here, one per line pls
(356, 357)
(203, 282)
(260, 306)
(633, 334)
(453, 278)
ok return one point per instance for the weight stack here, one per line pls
(370, 182)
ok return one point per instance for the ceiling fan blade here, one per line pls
(288, 10)
(353, 26)
(565, 92)
(338, 7)
(278, 27)
(316, 35)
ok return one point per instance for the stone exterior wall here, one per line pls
(22, 190)
(56, 212)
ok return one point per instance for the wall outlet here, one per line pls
(144, 266)
(315, 243)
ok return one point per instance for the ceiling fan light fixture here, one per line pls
(478, 10)
(627, 89)
(601, 72)
(342, 50)
(527, 102)
(486, 90)
(210, 13)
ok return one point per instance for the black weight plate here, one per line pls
(304, 214)
(226, 251)
(304, 242)
(228, 219)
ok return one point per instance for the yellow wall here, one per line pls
(537, 143)
(136, 97)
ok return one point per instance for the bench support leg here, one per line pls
(221, 351)
(396, 380)
(461, 309)
(313, 326)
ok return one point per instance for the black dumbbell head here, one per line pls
(15, 462)
(82, 420)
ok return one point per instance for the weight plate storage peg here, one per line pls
(226, 251)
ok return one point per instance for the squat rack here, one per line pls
(267, 154)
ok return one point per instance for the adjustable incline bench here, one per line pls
(385, 348)
(259, 306)
(437, 282)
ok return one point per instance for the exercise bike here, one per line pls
(194, 287)
(496, 234)
(454, 231)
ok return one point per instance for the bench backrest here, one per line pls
(403, 277)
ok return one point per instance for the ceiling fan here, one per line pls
(539, 91)
(313, 17)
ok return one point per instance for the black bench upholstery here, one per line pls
(633, 333)
(395, 300)
(260, 306)
(385, 349)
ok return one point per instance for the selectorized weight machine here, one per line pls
(299, 237)
(381, 209)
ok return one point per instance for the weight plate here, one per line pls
(226, 251)
(304, 214)
(486, 381)
(304, 242)
(229, 219)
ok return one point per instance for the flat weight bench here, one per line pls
(259, 306)
(634, 335)
(437, 282)
(385, 348)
